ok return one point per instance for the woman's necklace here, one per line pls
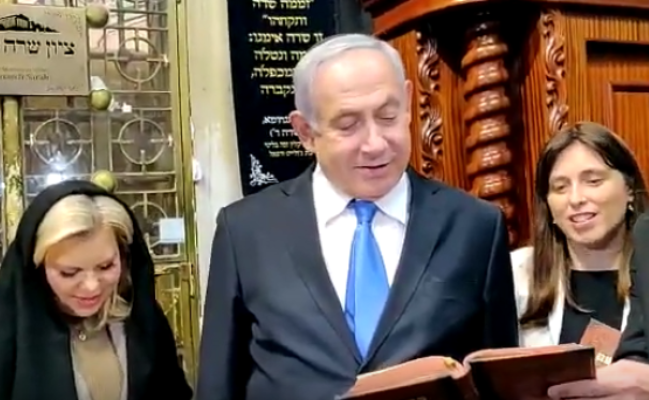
(81, 333)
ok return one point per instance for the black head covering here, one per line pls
(35, 359)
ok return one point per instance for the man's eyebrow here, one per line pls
(344, 114)
(390, 102)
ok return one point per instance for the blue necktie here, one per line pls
(367, 282)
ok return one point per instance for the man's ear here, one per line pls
(302, 129)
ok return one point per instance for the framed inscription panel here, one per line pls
(267, 39)
(44, 51)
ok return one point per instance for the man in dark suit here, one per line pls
(359, 263)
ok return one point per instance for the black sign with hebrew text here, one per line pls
(267, 39)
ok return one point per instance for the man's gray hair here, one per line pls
(327, 50)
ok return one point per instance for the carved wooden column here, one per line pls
(429, 105)
(555, 58)
(486, 116)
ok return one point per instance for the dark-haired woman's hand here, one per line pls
(623, 380)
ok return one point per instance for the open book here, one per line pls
(498, 374)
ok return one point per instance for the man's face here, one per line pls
(361, 136)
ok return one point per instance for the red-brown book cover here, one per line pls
(604, 339)
(503, 374)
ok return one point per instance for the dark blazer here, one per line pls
(633, 344)
(274, 327)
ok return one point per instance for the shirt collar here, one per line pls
(330, 202)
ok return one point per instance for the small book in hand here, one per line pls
(604, 339)
(502, 374)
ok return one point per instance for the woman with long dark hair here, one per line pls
(587, 195)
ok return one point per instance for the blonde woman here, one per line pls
(78, 314)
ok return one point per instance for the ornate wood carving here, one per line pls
(555, 58)
(430, 113)
(389, 15)
(486, 116)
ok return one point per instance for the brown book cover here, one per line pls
(503, 374)
(604, 339)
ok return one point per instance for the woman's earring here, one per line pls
(629, 206)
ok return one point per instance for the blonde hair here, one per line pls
(79, 215)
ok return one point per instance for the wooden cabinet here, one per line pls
(495, 79)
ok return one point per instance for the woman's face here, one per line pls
(83, 271)
(588, 199)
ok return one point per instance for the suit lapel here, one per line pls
(426, 221)
(308, 260)
(640, 280)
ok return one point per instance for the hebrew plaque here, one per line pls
(267, 39)
(44, 51)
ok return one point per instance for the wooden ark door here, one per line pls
(609, 76)
(143, 140)
(619, 76)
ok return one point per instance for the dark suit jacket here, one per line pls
(274, 327)
(633, 344)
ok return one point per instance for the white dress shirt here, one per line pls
(337, 223)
